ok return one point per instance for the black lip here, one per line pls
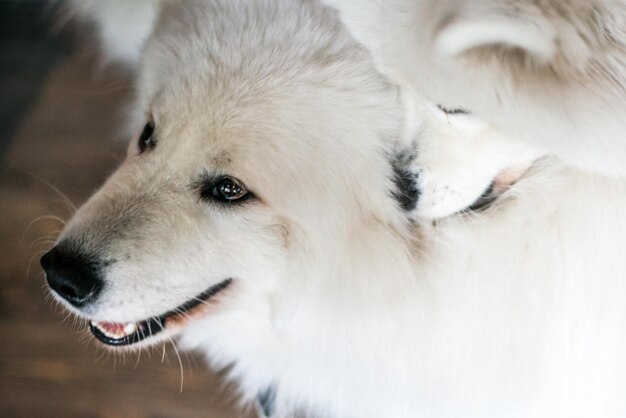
(484, 200)
(154, 325)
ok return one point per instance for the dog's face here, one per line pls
(464, 163)
(240, 168)
(255, 166)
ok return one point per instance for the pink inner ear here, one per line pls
(462, 34)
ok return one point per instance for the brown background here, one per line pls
(60, 117)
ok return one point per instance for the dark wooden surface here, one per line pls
(49, 367)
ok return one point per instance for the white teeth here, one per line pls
(116, 330)
(130, 328)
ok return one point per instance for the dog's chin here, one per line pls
(157, 328)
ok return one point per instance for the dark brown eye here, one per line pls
(228, 189)
(146, 139)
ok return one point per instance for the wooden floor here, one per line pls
(49, 367)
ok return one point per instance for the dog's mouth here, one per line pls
(128, 333)
(503, 182)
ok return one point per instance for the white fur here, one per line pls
(340, 299)
(550, 72)
(459, 37)
(563, 62)
(458, 156)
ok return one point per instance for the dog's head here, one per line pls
(260, 146)
(268, 151)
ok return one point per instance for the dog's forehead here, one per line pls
(267, 108)
(207, 133)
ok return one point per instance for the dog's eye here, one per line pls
(452, 111)
(226, 189)
(146, 139)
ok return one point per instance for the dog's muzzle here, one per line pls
(76, 278)
(120, 333)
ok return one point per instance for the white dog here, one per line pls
(274, 214)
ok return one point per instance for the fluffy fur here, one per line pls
(550, 72)
(344, 303)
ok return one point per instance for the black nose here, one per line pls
(73, 276)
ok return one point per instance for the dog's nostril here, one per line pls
(72, 275)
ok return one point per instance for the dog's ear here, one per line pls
(475, 24)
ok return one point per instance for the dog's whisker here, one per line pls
(48, 237)
(180, 363)
(183, 313)
(102, 354)
(46, 240)
(201, 301)
(193, 360)
(38, 219)
(143, 334)
(68, 205)
(150, 328)
(138, 358)
(164, 352)
(68, 315)
(190, 362)
(53, 187)
(160, 323)
(47, 298)
(30, 262)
